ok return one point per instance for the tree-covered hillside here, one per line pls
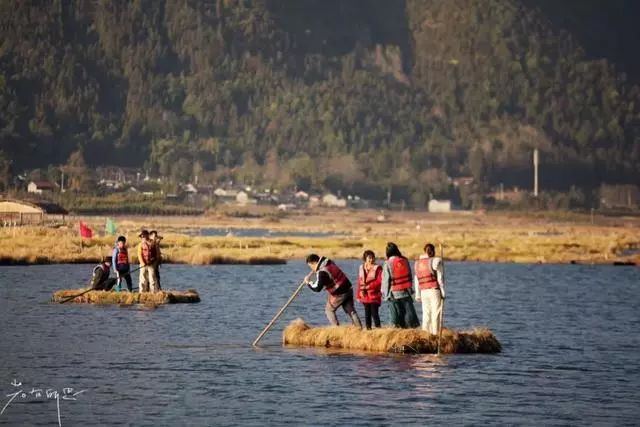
(351, 95)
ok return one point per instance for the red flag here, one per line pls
(85, 231)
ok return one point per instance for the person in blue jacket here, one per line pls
(120, 262)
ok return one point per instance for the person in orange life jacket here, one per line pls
(146, 258)
(120, 263)
(330, 277)
(368, 290)
(155, 238)
(429, 287)
(100, 279)
(397, 288)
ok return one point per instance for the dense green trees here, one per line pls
(353, 96)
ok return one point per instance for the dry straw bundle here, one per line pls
(127, 298)
(390, 340)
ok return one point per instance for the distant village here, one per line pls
(122, 180)
(33, 200)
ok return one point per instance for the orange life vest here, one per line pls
(427, 277)
(123, 256)
(337, 276)
(400, 273)
(365, 280)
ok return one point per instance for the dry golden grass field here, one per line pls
(488, 237)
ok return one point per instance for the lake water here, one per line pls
(569, 333)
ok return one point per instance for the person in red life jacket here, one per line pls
(120, 263)
(337, 284)
(429, 288)
(147, 258)
(100, 280)
(368, 290)
(397, 288)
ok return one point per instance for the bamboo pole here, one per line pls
(442, 308)
(279, 313)
(90, 289)
(75, 296)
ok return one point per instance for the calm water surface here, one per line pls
(570, 336)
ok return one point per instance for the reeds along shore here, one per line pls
(485, 238)
(390, 340)
(127, 298)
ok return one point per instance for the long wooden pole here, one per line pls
(441, 308)
(75, 296)
(90, 289)
(279, 313)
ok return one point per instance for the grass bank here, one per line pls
(466, 237)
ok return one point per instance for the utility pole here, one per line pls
(536, 161)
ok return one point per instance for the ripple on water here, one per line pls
(568, 333)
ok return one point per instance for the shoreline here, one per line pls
(471, 237)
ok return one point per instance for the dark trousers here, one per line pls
(371, 311)
(106, 285)
(403, 313)
(124, 274)
(157, 268)
(346, 302)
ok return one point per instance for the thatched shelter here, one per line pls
(390, 340)
(126, 298)
(30, 212)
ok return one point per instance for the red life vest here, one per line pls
(427, 277)
(123, 256)
(337, 276)
(366, 282)
(148, 252)
(400, 273)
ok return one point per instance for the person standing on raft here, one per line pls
(155, 238)
(120, 263)
(147, 258)
(368, 290)
(330, 277)
(100, 280)
(397, 288)
(429, 288)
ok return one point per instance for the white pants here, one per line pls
(431, 309)
(148, 279)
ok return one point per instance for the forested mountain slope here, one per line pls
(344, 95)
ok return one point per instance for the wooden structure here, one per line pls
(22, 212)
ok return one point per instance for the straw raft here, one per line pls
(127, 298)
(390, 340)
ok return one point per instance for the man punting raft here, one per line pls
(395, 283)
(100, 280)
(331, 278)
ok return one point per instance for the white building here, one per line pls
(39, 187)
(439, 206)
(333, 201)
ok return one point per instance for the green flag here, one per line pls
(110, 227)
